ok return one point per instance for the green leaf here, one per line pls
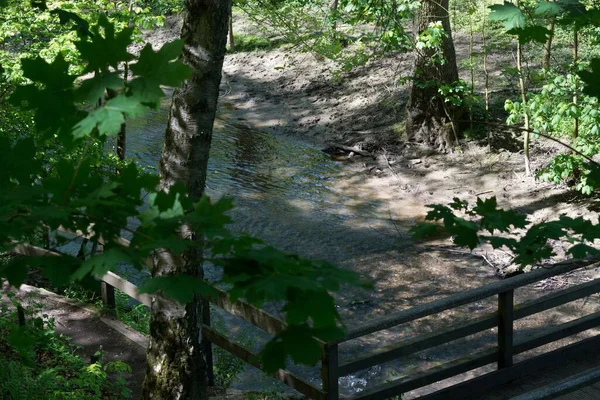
(104, 48)
(15, 271)
(509, 14)
(154, 69)
(296, 342)
(93, 89)
(590, 79)
(548, 9)
(537, 34)
(100, 264)
(51, 96)
(423, 230)
(497, 219)
(582, 250)
(82, 27)
(109, 117)
(21, 339)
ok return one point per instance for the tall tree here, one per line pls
(429, 118)
(176, 366)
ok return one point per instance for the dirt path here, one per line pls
(92, 332)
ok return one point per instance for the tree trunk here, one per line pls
(523, 88)
(548, 45)
(334, 15)
(486, 93)
(576, 88)
(429, 119)
(176, 365)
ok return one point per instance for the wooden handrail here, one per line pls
(462, 298)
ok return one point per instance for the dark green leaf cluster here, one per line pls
(530, 243)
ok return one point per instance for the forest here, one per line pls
(337, 173)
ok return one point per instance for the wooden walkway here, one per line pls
(548, 376)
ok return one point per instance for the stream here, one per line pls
(287, 193)
(293, 196)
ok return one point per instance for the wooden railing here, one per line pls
(502, 354)
(240, 309)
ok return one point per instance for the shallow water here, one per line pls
(287, 193)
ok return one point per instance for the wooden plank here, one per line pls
(126, 287)
(419, 343)
(556, 299)
(108, 295)
(505, 328)
(207, 345)
(561, 331)
(329, 372)
(20, 315)
(249, 313)
(246, 355)
(563, 386)
(485, 383)
(432, 375)
(29, 250)
(462, 298)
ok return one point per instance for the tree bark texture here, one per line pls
(176, 364)
(189, 131)
(547, 54)
(428, 119)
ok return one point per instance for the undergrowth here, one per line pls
(244, 43)
(137, 316)
(50, 368)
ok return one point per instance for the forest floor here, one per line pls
(290, 93)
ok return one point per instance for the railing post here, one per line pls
(329, 371)
(505, 328)
(108, 296)
(20, 315)
(207, 345)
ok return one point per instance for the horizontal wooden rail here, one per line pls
(557, 298)
(554, 333)
(462, 298)
(470, 327)
(127, 287)
(484, 383)
(563, 386)
(432, 375)
(419, 343)
(249, 313)
(251, 358)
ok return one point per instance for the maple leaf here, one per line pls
(108, 50)
(109, 117)
(154, 69)
(509, 14)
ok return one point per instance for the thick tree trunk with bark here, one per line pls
(429, 120)
(176, 365)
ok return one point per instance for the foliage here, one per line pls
(166, 7)
(350, 35)
(480, 222)
(29, 30)
(253, 42)
(553, 112)
(54, 370)
(74, 194)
